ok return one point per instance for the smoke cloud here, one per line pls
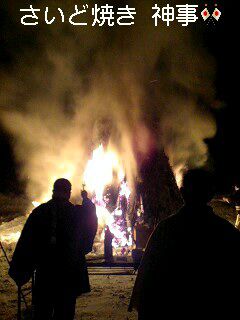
(65, 89)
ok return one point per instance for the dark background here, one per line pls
(221, 42)
(223, 149)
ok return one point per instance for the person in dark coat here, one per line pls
(189, 266)
(108, 249)
(49, 245)
(88, 221)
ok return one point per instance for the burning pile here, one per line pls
(104, 177)
(121, 208)
(105, 180)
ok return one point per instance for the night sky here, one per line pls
(223, 149)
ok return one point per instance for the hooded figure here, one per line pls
(188, 267)
(50, 246)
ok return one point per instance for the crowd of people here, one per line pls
(189, 268)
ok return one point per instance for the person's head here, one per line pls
(84, 194)
(62, 189)
(198, 187)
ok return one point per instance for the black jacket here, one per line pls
(50, 244)
(88, 223)
(190, 268)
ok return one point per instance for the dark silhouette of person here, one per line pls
(49, 245)
(88, 221)
(188, 269)
(108, 249)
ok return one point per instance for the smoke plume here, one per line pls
(65, 89)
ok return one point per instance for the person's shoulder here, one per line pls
(93, 205)
(173, 219)
(225, 225)
(89, 201)
(168, 226)
(38, 213)
(70, 205)
(67, 207)
(41, 208)
(78, 209)
(172, 224)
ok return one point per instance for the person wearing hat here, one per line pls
(49, 246)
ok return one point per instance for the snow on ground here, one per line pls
(10, 231)
(110, 294)
(108, 299)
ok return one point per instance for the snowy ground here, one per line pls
(110, 294)
(108, 299)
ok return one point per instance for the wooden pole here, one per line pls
(4, 252)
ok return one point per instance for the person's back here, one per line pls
(49, 244)
(188, 268)
(88, 221)
(55, 239)
(108, 249)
